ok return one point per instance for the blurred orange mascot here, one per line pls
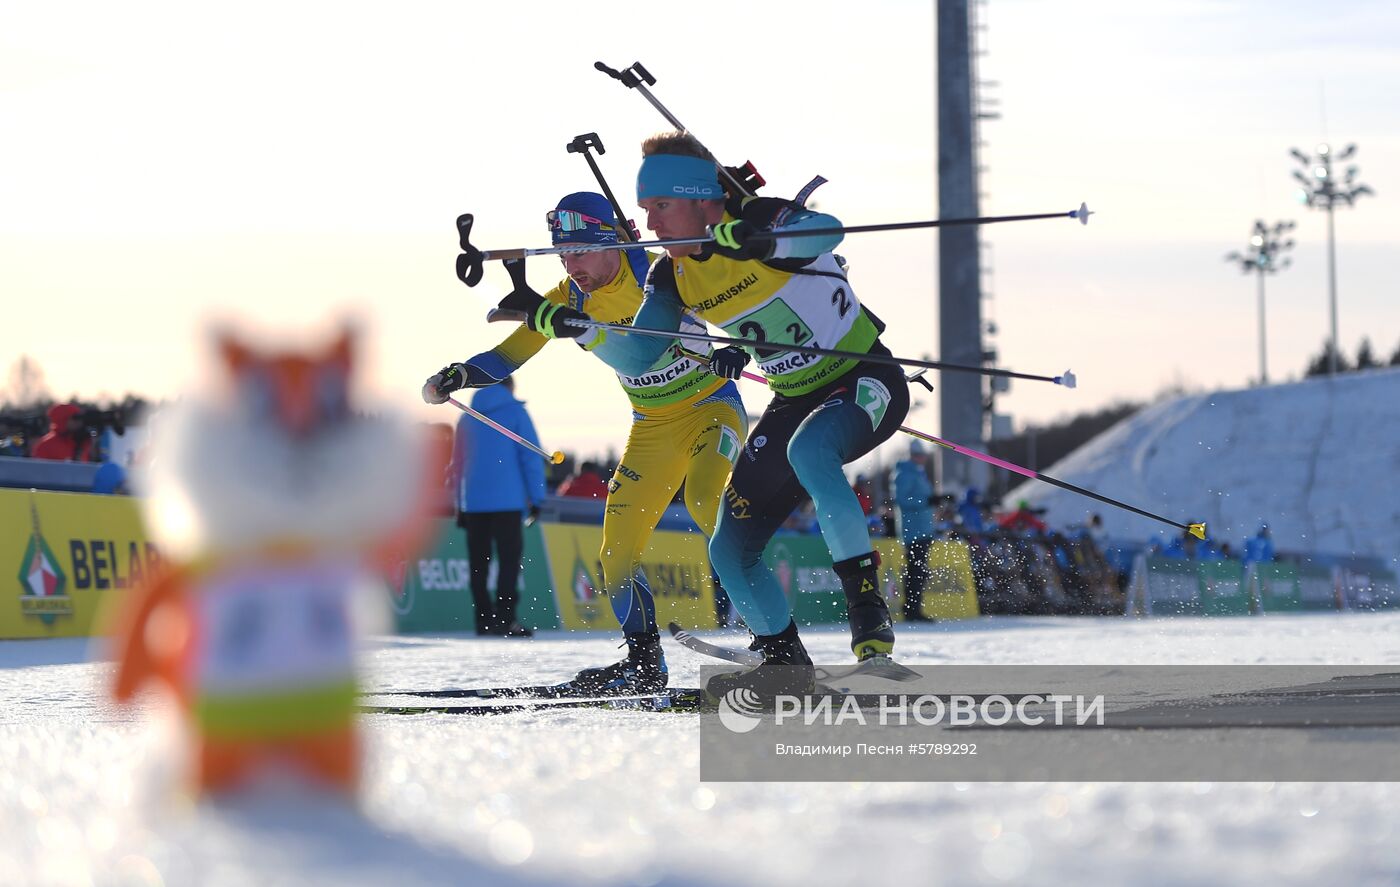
(278, 509)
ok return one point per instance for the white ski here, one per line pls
(874, 667)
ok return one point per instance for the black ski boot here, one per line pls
(786, 670)
(642, 672)
(872, 628)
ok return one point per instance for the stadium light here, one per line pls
(1322, 190)
(1264, 256)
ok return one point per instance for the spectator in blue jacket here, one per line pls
(498, 482)
(1259, 548)
(1208, 550)
(1176, 549)
(914, 501)
(970, 511)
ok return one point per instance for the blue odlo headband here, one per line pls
(671, 175)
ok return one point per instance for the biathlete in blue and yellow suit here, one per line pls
(825, 411)
(687, 425)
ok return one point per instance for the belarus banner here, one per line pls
(62, 555)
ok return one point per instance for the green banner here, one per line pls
(1168, 587)
(434, 594)
(812, 589)
(803, 567)
(1276, 587)
(1317, 588)
(1223, 591)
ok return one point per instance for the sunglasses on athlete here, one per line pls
(568, 220)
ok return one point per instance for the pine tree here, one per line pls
(1395, 358)
(1319, 365)
(1365, 360)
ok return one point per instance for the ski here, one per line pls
(874, 667)
(539, 691)
(676, 699)
(877, 666)
(680, 700)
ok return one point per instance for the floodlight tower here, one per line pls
(1321, 189)
(1264, 257)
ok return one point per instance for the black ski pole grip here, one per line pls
(582, 143)
(469, 268)
(516, 269)
(464, 230)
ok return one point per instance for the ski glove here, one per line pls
(541, 315)
(552, 321)
(453, 377)
(729, 363)
(738, 240)
(447, 380)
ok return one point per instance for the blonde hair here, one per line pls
(676, 142)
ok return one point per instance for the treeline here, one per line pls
(1037, 447)
(1366, 359)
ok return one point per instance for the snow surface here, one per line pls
(613, 797)
(1317, 460)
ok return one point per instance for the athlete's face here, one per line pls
(670, 218)
(591, 270)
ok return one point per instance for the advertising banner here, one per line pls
(676, 567)
(1275, 588)
(951, 592)
(1223, 592)
(1318, 588)
(432, 592)
(1164, 586)
(62, 555)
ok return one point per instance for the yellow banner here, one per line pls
(61, 556)
(891, 575)
(676, 566)
(951, 592)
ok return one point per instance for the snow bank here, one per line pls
(1318, 460)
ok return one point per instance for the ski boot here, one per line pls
(642, 672)
(872, 628)
(786, 670)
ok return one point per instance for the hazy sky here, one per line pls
(282, 163)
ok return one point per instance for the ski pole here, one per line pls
(1195, 529)
(1067, 378)
(556, 457)
(639, 78)
(470, 262)
(580, 145)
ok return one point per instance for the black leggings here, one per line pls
(798, 449)
(916, 573)
(503, 531)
